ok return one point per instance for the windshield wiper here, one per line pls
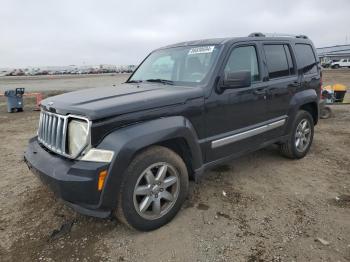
(163, 81)
(134, 81)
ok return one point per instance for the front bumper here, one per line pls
(73, 181)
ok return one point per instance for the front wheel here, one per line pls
(154, 188)
(301, 137)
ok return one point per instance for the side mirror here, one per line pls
(237, 79)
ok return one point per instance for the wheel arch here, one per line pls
(175, 133)
(181, 147)
(304, 100)
(312, 108)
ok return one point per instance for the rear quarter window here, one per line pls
(306, 58)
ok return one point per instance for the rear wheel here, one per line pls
(325, 112)
(301, 137)
(154, 188)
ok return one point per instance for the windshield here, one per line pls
(188, 65)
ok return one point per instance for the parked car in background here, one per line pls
(131, 150)
(327, 64)
(16, 72)
(341, 63)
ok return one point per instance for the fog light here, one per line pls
(101, 179)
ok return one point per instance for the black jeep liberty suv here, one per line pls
(130, 150)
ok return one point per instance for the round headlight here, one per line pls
(77, 136)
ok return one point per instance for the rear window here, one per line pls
(306, 58)
(279, 60)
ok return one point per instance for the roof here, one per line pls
(218, 41)
(212, 41)
(337, 50)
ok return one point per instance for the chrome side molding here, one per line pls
(246, 134)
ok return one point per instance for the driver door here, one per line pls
(237, 111)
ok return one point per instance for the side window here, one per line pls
(244, 59)
(276, 59)
(306, 58)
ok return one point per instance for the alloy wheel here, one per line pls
(303, 135)
(156, 190)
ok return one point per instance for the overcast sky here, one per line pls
(62, 32)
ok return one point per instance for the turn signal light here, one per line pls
(101, 179)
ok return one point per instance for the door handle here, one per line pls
(296, 84)
(260, 91)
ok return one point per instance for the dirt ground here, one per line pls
(260, 207)
(60, 83)
(334, 76)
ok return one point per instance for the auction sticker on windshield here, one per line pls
(201, 50)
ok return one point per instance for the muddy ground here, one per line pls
(260, 207)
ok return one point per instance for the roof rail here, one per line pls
(302, 36)
(276, 35)
(256, 34)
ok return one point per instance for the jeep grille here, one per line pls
(52, 132)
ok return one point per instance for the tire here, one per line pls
(144, 201)
(336, 66)
(290, 149)
(326, 113)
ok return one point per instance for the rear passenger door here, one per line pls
(282, 81)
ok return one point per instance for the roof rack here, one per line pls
(302, 36)
(258, 34)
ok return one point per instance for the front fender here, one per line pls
(126, 142)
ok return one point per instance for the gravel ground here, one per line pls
(60, 83)
(260, 207)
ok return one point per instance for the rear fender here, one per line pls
(299, 99)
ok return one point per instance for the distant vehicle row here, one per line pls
(335, 64)
(21, 72)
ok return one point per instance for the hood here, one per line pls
(97, 103)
